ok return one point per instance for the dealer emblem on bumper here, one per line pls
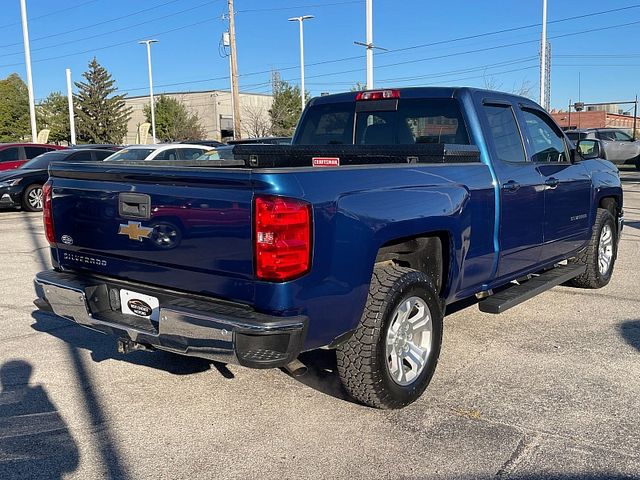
(135, 231)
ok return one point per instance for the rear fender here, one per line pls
(385, 216)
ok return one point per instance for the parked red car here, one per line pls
(12, 155)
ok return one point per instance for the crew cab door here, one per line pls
(521, 190)
(567, 186)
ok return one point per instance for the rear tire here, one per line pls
(32, 198)
(390, 359)
(600, 254)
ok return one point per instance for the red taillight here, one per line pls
(282, 236)
(46, 213)
(377, 95)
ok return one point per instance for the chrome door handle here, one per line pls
(511, 186)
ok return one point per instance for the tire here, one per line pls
(32, 198)
(365, 366)
(595, 276)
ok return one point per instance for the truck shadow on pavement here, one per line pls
(35, 441)
(630, 331)
(322, 374)
(104, 348)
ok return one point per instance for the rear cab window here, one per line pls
(407, 121)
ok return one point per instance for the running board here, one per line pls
(516, 294)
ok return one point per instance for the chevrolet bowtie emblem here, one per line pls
(135, 231)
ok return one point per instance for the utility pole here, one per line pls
(635, 117)
(369, 40)
(226, 44)
(151, 99)
(27, 61)
(72, 120)
(543, 56)
(300, 20)
(237, 132)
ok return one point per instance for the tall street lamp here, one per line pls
(153, 112)
(27, 61)
(300, 20)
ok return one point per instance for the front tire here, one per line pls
(32, 198)
(390, 359)
(600, 254)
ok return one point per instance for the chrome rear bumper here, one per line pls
(187, 325)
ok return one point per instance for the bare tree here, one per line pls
(491, 82)
(524, 89)
(255, 120)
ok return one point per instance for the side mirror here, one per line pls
(588, 149)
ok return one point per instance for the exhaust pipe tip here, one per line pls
(296, 368)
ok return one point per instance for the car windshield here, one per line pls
(131, 154)
(42, 162)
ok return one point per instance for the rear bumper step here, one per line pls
(186, 325)
(516, 294)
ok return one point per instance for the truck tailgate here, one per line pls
(187, 229)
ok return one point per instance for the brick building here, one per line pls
(594, 119)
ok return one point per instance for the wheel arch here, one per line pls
(428, 252)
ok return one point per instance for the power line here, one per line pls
(47, 47)
(127, 42)
(50, 14)
(293, 7)
(468, 37)
(86, 27)
(433, 75)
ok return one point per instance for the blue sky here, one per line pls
(420, 35)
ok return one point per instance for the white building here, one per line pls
(214, 110)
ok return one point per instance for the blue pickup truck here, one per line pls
(389, 206)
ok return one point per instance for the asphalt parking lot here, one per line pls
(550, 389)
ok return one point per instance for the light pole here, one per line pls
(27, 61)
(543, 56)
(72, 122)
(300, 20)
(153, 109)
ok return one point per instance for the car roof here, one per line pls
(159, 146)
(71, 151)
(422, 92)
(59, 147)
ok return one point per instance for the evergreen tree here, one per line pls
(286, 109)
(174, 123)
(14, 109)
(101, 116)
(53, 113)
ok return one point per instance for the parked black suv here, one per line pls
(22, 186)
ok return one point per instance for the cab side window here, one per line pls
(545, 139)
(505, 134)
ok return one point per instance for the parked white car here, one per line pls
(164, 151)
